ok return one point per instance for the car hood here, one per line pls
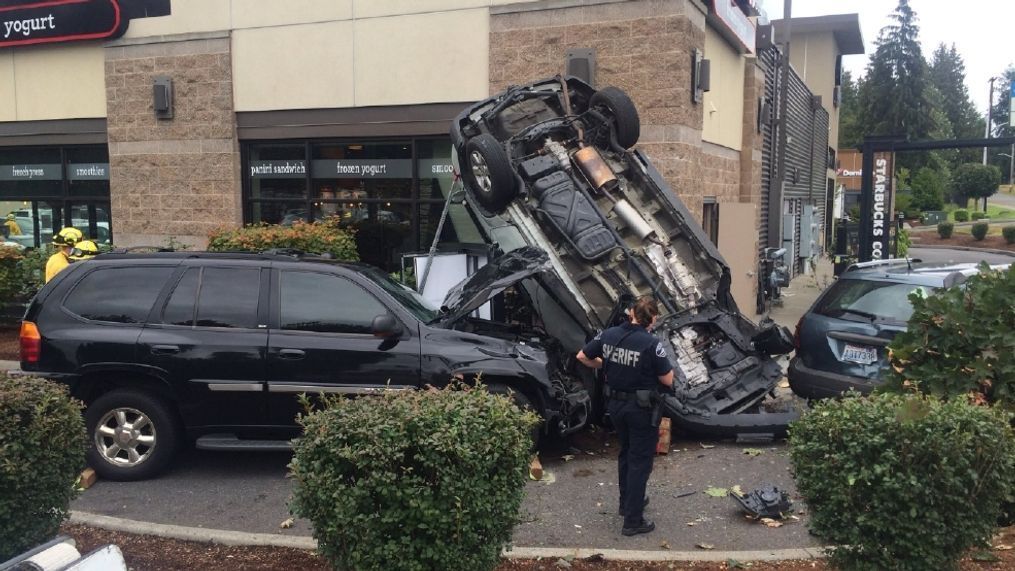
(493, 278)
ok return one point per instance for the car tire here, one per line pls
(521, 401)
(132, 435)
(488, 171)
(626, 122)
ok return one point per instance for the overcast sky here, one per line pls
(983, 31)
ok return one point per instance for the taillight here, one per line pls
(796, 334)
(31, 342)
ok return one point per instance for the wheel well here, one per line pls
(94, 385)
(522, 387)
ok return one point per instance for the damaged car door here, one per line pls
(549, 165)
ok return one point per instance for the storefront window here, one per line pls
(43, 189)
(390, 192)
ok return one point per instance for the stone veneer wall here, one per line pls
(178, 177)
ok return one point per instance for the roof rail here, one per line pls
(295, 253)
(886, 262)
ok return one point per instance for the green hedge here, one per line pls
(416, 480)
(1009, 234)
(42, 452)
(978, 215)
(323, 237)
(902, 482)
(10, 277)
(962, 215)
(945, 229)
(979, 230)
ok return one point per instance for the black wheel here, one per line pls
(625, 116)
(488, 172)
(133, 435)
(521, 401)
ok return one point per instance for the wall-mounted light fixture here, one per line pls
(162, 97)
(700, 75)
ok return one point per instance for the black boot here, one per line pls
(644, 527)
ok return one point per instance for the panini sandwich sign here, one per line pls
(32, 22)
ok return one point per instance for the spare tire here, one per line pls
(626, 122)
(488, 173)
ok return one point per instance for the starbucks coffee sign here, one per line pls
(33, 22)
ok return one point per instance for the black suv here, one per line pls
(216, 347)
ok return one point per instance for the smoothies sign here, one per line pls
(31, 22)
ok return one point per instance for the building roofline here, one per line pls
(845, 28)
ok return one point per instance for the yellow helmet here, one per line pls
(67, 237)
(84, 250)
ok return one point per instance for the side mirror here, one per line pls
(385, 326)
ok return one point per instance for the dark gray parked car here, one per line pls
(841, 340)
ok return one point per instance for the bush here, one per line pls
(904, 243)
(413, 480)
(979, 230)
(42, 437)
(978, 215)
(32, 270)
(902, 482)
(323, 237)
(1009, 234)
(962, 215)
(10, 278)
(958, 342)
(929, 189)
(944, 229)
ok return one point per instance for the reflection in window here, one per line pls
(136, 289)
(179, 309)
(326, 303)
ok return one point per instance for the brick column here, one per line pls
(178, 177)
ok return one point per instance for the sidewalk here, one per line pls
(801, 293)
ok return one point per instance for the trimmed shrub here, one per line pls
(42, 439)
(962, 215)
(10, 278)
(324, 237)
(902, 482)
(958, 342)
(979, 230)
(944, 229)
(978, 215)
(1009, 234)
(32, 270)
(413, 480)
(904, 243)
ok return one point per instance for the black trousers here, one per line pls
(638, 439)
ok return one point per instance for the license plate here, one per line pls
(860, 354)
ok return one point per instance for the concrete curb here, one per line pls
(9, 365)
(917, 246)
(240, 538)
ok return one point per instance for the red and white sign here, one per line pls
(735, 22)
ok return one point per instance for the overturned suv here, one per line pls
(548, 167)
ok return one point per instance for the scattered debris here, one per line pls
(692, 523)
(736, 491)
(286, 524)
(705, 546)
(734, 564)
(665, 544)
(563, 564)
(771, 522)
(685, 494)
(1003, 547)
(767, 501)
(594, 558)
(706, 446)
(535, 469)
(567, 457)
(753, 451)
(577, 526)
(548, 478)
(717, 492)
(783, 384)
(86, 479)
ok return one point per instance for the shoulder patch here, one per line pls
(660, 350)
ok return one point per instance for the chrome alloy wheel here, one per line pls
(125, 437)
(480, 171)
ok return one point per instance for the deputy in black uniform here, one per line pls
(635, 364)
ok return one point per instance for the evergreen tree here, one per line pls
(948, 75)
(897, 98)
(1000, 123)
(851, 130)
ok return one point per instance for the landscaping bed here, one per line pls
(9, 345)
(929, 239)
(145, 553)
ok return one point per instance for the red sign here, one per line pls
(30, 22)
(733, 22)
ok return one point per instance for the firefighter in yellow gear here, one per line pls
(13, 229)
(64, 240)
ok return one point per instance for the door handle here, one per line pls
(291, 354)
(165, 349)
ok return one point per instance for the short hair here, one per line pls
(645, 309)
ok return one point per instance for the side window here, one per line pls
(228, 297)
(326, 303)
(121, 295)
(180, 307)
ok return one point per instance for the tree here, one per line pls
(1000, 123)
(851, 130)
(928, 189)
(973, 180)
(948, 76)
(897, 97)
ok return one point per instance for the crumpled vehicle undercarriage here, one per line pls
(548, 166)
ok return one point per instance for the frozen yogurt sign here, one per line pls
(28, 22)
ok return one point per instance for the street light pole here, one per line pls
(990, 117)
(1011, 166)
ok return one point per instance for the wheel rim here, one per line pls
(125, 437)
(480, 171)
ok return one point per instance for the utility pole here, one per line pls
(986, 135)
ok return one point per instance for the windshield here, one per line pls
(868, 300)
(408, 297)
